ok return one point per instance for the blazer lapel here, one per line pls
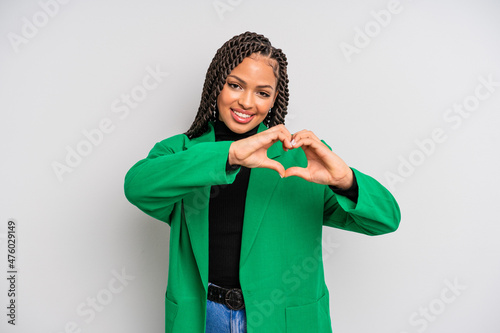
(196, 214)
(261, 187)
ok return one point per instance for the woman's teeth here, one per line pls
(242, 115)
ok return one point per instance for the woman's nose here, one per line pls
(246, 100)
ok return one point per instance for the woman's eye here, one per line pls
(264, 94)
(233, 85)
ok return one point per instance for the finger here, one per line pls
(299, 172)
(280, 128)
(308, 142)
(284, 136)
(273, 165)
(281, 134)
(278, 132)
(304, 134)
(264, 139)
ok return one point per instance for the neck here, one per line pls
(223, 133)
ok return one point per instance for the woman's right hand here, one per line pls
(252, 151)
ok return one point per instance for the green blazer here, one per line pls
(281, 267)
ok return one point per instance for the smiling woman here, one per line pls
(246, 202)
(248, 95)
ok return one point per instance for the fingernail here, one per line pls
(292, 142)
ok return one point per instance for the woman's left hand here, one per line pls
(323, 165)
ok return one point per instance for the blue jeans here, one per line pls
(221, 319)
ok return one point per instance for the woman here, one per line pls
(245, 238)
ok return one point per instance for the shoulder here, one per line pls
(181, 142)
(176, 141)
(169, 145)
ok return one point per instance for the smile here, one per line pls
(241, 117)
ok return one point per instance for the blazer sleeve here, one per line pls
(375, 213)
(170, 172)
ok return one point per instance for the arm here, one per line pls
(375, 213)
(168, 173)
(372, 210)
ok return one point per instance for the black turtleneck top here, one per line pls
(226, 211)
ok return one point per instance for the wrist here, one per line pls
(231, 158)
(351, 193)
(345, 182)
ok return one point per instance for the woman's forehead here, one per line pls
(257, 70)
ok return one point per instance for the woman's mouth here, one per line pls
(241, 117)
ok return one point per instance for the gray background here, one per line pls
(375, 108)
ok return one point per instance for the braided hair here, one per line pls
(230, 55)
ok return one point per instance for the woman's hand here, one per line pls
(252, 151)
(323, 165)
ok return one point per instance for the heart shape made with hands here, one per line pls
(323, 165)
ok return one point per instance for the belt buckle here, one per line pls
(234, 299)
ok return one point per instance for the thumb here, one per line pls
(273, 165)
(299, 172)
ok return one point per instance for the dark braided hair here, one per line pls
(230, 55)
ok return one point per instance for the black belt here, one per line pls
(232, 298)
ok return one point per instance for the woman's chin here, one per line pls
(240, 128)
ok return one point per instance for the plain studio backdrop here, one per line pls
(405, 91)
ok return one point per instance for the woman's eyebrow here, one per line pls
(243, 82)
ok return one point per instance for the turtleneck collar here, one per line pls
(223, 133)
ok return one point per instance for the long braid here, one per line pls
(230, 55)
(279, 110)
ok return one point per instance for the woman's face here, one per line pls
(248, 94)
